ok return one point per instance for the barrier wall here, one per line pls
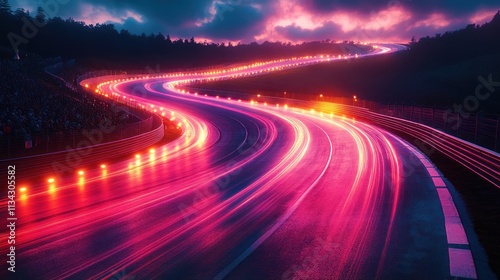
(64, 162)
(480, 160)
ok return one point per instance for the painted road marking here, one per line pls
(433, 172)
(454, 229)
(461, 263)
(438, 182)
(279, 223)
(461, 260)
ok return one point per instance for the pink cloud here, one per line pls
(297, 20)
(388, 19)
(435, 20)
(481, 17)
(353, 25)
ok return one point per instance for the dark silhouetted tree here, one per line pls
(40, 17)
(5, 7)
(20, 12)
(413, 40)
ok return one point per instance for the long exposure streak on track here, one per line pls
(250, 190)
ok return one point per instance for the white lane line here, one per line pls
(454, 229)
(460, 263)
(438, 182)
(279, 223)
(425, 161)
(433, 172)
(461, 260)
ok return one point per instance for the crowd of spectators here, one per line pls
(69, 71)
(31, 104)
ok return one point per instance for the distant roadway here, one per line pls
(249, 191)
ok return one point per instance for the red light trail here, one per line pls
(249, 186)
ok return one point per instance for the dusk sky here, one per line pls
(282, 20)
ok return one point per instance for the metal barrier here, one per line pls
(19, 146)
(480, 129)
(429, 125)
(37, 143)
(483, 162)
(64, 162)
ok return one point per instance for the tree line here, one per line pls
(103, 46)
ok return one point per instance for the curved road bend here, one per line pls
(248, 191)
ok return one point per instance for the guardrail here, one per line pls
(18, 146)
(39, 143)
(483, 162)
(65, 161)
(481, 129)
(60, 152)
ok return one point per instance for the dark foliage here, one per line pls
(102, 46)
(30, 104)
(435, 71)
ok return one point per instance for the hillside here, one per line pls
(437, 71)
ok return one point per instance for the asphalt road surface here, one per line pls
(249, 191)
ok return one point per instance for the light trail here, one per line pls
(245, 188)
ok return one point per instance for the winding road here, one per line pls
(249, 191)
